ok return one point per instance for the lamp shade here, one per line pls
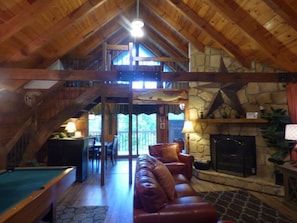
(70, 127)
(291, 132)
(188, 127)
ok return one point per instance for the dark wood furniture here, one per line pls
(290, 184)
(28, 194)
(69, 152)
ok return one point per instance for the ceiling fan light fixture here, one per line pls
(137, 32)
(137, 23)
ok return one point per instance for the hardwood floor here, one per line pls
(117, 194)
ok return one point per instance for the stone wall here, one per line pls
(251, 96)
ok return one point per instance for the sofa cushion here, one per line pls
(180, 178)
(184, 190)
(169, 154)
(151, 195)
(165, 179)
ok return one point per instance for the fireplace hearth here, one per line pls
(232, 154)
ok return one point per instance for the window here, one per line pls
(95, 126)
(176, 123)
(124, 59)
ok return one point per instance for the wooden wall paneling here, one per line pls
(82, 124)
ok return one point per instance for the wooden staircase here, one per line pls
(65, 102)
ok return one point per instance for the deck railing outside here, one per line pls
(144, 139)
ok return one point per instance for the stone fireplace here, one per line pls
(251, 97)
(233, 154)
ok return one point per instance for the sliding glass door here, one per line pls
(143, 133)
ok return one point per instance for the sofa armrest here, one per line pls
(188, 160)
(188, 212)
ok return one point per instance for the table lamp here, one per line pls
(188, 128)
(291, 134)
(70, 128)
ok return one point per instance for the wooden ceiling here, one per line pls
(35, 33)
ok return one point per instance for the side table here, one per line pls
(290, 184)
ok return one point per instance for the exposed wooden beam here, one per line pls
(57, 29)
(167, 34)
(158, 51)
(96, 54)
(27, 16)
(171, 22)
(162, 59)
(204, 25)
(96, 39)
(154, 48)
(167, 45)
(255, 31)
(284, 10)
(119, 36)
(73, 75)
(57, 51)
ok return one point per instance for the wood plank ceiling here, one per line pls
(35, 33)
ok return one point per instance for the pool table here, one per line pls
(29, 194)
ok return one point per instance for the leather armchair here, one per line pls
(173, 159)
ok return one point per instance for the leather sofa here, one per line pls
(162, 197)
(170, 154)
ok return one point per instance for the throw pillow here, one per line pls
(165, 179)
(169, 154)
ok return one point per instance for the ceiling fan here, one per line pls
(137, 24)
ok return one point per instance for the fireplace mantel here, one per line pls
(233, 120)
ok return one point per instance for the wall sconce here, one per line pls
(187, 129)
(70, 128)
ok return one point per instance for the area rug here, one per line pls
(83, 214)
(242, 207)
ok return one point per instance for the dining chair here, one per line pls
(111, 150)
(94, 152)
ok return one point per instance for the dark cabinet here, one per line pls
(69, 152)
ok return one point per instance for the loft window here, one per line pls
(124, 59)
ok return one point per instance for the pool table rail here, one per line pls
(43, 201)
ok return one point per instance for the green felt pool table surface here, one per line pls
(22, 187)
